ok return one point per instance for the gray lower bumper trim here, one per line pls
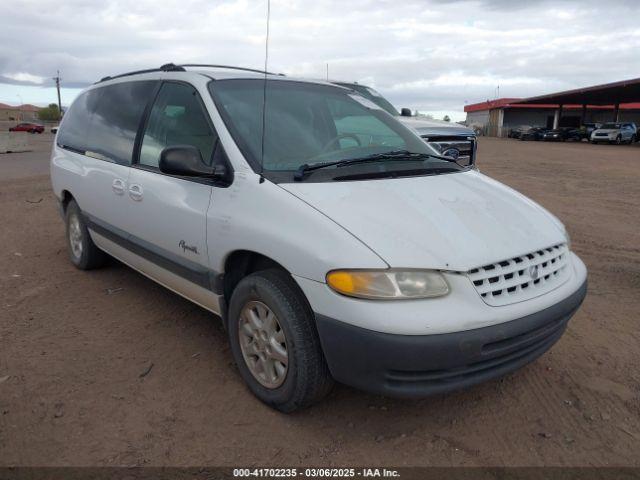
(420, 365)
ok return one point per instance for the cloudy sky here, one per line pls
(434, 56)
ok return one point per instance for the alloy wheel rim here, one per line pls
(75, 236)
(263, 344)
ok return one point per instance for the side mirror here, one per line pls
(186, 160)
(406, 112)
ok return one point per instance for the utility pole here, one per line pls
(57, 79)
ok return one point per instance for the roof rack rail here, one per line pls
(229, 67)
(167, 67)
(172, 67)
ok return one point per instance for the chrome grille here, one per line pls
(521, 278)
(442, 143)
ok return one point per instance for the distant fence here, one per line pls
(14, 142)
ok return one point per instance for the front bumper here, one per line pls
(421, 365)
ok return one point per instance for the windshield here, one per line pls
(611, 125)
(309, 123)
(370, 94)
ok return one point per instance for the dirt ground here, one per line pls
(74, 348)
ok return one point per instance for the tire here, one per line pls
(306, 379)
(634, 139)
(83, 253)
(619, 140)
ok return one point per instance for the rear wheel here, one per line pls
(83, 253)
(275, 343)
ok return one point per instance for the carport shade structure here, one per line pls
(616, 93)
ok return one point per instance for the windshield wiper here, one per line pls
(376, 157)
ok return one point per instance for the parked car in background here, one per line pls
(339, 248)
(615, 132)
(562, 134)
(515, 132)
(534, 133)
(54, 129)
(447, 138)
(586, 129)
(28, 127)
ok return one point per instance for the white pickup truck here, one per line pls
(449, 139)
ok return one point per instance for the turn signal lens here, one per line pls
(388, 284)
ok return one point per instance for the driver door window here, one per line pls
(177, 118)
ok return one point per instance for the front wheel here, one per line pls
(618, 140)
(275, 343)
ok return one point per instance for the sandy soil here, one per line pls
(74, 348)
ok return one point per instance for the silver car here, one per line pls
(615, 133)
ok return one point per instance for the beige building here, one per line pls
(20, 113)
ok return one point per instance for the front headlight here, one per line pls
(388, 284)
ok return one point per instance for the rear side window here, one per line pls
(103, 122)
(75, 128)
(177, 118)
(115, 123)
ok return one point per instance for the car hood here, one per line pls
(455, 221)
(435, 127)
(607, 130)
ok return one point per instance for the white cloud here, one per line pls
(24, 77)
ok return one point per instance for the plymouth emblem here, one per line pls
(533, 272)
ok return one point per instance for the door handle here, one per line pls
(135, 192)
(118, 186)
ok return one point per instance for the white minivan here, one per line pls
(334, 243)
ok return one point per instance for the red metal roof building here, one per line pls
(618, 101)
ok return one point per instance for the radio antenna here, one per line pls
(264, 91)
